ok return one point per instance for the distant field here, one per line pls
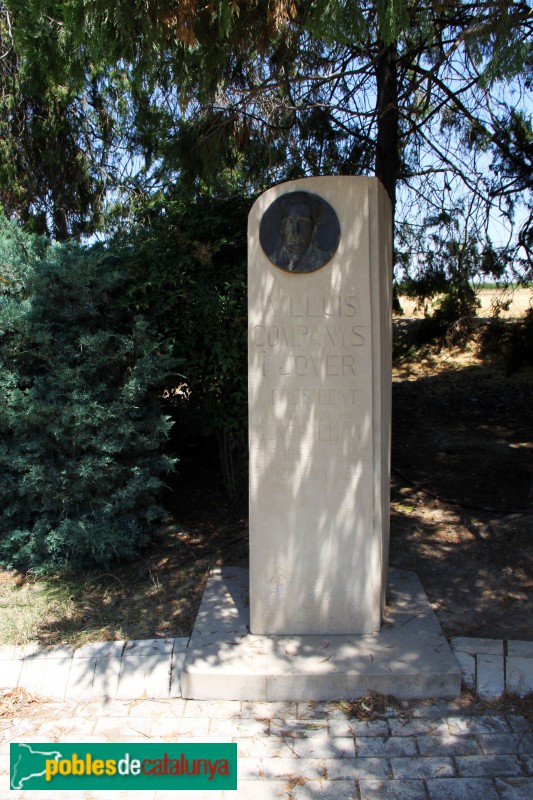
(519, 301)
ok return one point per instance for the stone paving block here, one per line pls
(49, 729)
(238, 728)
(178, 658)
(357, 769)
(468, 644)
(80, 679)
(60, 651)
(446, 745)
(104, 706)
(5, 738)
(417, 727)
(75, 737)
(392, 790)
(120, 728)
(100, 650)
(177, 706)
(325, 790)
(469, 725)
(263, 747)
(260, 710)
(517, 723)
(106, 677)
(313, 710)
(45, 677)
(382, 747)
(217, 709)
(9, 652)
(488, 766)
(527, 761)
(249, 769)
(149, 647)
(26, 650)
(359, 727)
(490, 680)
(180, 645)
(10, 673)
(336, 712)
(515, 788)
(180, 727)
(297, 728)
(423, 767)
(286, 769)
(143, 675)
(13, 794)
(430, 709)
(519, 675)
(467, 662)
(501, 743)
(151, 708)
(321, 746)
(522, 649)
(462, 789)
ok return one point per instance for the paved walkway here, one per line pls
(410, 751)
(493, 666)
(151, 668)
(124, 670)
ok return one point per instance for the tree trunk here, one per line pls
(387, 155)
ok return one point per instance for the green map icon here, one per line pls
(28, 764)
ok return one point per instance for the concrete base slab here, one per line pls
(409, 658)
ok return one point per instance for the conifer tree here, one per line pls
(415, 92)
(81, 428)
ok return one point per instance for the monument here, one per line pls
(306, 623)
(319, 313)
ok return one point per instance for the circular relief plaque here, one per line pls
(299, 232)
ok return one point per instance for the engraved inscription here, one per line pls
(298, 336)
(326, 430)
(310, 351)
(307, 397)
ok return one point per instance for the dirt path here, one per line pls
(462, 506)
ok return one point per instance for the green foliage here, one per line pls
(420, 94)
(46, 177)
(510, 341)
(440, 264)
(81, 429)
(188, 259)
(336, 21)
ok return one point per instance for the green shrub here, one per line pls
(81, 428)
(509, 340)
(188, 260)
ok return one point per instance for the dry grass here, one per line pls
(17, 702)
(157, 596)
(26, 605)
(512, 304)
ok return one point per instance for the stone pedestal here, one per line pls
(409, 658)
(319, 407)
